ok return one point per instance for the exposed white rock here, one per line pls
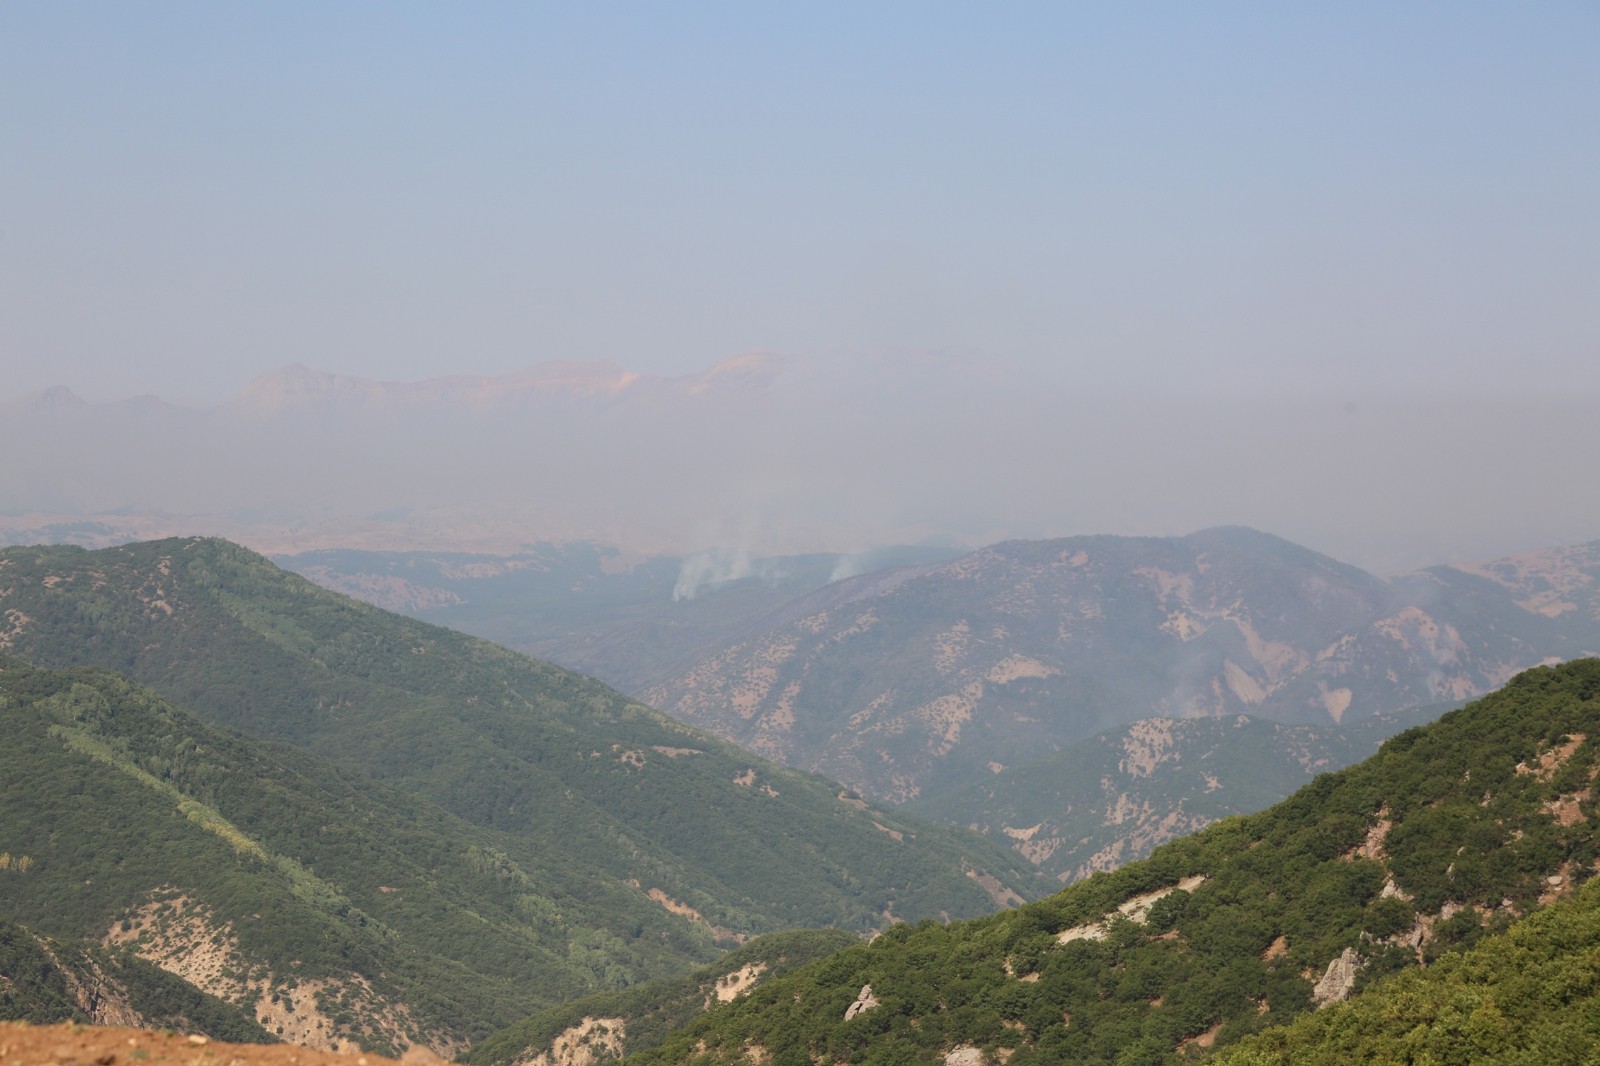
(731, 986)
(1393, 891)
(865, 1001)
(1414, 937)
(1339, 980)
(1091, 931)
(590, 1042)
(1136, 909)
(965, 1055)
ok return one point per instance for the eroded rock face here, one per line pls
(591, 1041)
(730, 986)
(966, 1055)
(1339, 980)
(865, 1001)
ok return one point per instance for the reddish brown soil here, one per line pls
(22, 1044)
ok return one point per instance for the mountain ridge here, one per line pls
(1061, 639)
(298, 387)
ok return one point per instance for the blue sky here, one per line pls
(1224, 198)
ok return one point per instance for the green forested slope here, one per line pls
(1452, 830)
(579, 772)
(644, 1016)
(437, 823)
(1529, 996)
(122, 811)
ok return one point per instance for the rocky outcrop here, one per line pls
(591, 1041)
(1339, 980)
(187, 939)
(865, 1001)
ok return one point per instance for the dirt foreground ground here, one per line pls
(67, 1044)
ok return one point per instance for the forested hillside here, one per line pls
(338, 908)
(642, 1017)
(510, 835)
(1528, 995)
(1452, 832)
(560, 760)
(416, 837)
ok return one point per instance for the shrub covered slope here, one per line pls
(1451, 833)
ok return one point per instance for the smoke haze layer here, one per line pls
(763, 456)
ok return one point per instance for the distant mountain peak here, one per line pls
(748, 365)
(56, 397)
(600, 378)
(743, 373)
(297, 383)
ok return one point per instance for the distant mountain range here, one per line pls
(298, 388)
(774, 455)
(302, 459)
(305, 459)
(917, 681)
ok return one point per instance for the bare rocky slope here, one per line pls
(45, 980)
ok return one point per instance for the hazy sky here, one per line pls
(1219, 198)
